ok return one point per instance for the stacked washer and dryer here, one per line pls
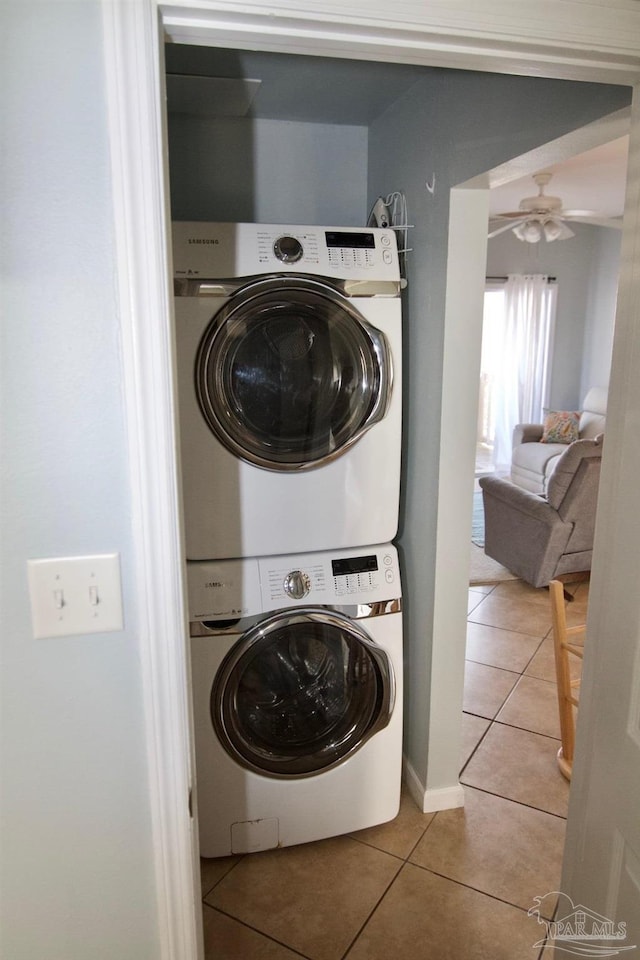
(288, 343)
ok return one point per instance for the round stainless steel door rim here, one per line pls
(289, 375)
(300, 692)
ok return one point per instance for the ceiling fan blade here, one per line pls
(512, 215)
(504, 228)
(579, 213)
(596, 221)
(549, 215)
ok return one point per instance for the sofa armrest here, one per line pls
(526, 433)
(522, 531)
(516, 498)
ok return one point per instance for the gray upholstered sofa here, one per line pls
(533, 462)
(540, 539)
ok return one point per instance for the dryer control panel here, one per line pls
(223, 251)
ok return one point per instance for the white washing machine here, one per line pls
(297, 696)
(288, 346)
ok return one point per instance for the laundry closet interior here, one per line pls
(265, 138)
(273, 138)
(289, 360)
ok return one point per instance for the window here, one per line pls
(517, 338)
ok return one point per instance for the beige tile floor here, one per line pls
(455, 885)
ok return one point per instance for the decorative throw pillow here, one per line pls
(560, 426)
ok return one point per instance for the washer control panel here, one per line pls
(363, 576)
(233, 589)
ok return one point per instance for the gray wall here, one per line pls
(267, 171)
(76, 861)
(586, 268)
(601, 309)
(454, 125)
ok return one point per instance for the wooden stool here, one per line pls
(567, 641)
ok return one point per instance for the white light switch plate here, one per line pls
(72, 595)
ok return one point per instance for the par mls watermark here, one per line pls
(577, 929)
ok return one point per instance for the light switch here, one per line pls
(72, 595)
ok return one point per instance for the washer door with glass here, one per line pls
(300, 692)
(289, 374)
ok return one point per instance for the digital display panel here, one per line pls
(364, 241)
(342, 568)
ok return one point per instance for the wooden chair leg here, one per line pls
(563, 645)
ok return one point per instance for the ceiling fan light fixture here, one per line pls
(552, 230)
(529, 231)
(543, 217)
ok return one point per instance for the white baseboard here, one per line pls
(430, 801)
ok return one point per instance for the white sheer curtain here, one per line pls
(521, 388)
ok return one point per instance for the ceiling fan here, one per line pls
(542, 217)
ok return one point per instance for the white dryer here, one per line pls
(288, 346)
(297, 696)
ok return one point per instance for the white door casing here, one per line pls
(542, 38)
(135, 92)
(602, 854)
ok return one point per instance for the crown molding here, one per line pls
(566, 39)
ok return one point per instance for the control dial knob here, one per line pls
(288, 249)
(297, 584)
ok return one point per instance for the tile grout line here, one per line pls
(281, 943)
(224, 875)
(518, 726)
(475, 749)
(405, 860)
(520, 633)
(374, 908)
(510, 726)
(537, 638)
(521, 803)
(468, 886)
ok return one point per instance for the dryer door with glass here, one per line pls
(288, 374)
(300, 692)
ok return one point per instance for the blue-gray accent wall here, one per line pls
(454, 125)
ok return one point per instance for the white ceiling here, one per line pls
(594, 180)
